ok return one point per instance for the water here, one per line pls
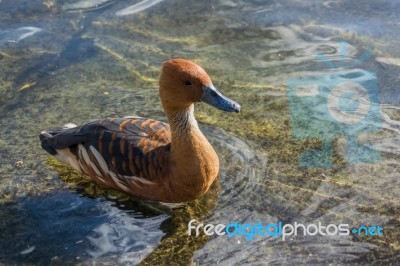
(72, 61)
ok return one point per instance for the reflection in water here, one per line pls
(86, 5)
(123, 234)
(65, 228)
(104, 62)
(143, 5)
(18, 34)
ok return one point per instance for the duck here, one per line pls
(148, 159)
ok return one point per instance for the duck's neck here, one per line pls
(194, 163)
(182, 123)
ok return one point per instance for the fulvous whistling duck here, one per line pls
(143, 157)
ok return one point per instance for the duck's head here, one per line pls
(183, 83)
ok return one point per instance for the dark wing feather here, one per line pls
(132, 146)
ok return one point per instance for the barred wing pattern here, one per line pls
(119, 152)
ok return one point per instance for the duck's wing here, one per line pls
(114, 152)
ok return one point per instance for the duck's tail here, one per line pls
(47, 135)
(54, 142)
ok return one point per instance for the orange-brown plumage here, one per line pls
(147, 158)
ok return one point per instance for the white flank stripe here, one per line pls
(105, 169)
(83, 168)
(84, 154)
(98, 174)
(99, 159)
(65, 156)
(139, 179)
(117, 181)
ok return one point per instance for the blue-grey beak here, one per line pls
(214, 98)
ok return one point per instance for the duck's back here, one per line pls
(115, 152)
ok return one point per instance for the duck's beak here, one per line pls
(214, 98)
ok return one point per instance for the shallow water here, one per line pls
(72, 61)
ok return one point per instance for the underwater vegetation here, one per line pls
(72, 61)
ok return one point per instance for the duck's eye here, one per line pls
(188, 83)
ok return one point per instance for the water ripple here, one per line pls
(143, 5)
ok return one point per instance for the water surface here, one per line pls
(73, 61)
